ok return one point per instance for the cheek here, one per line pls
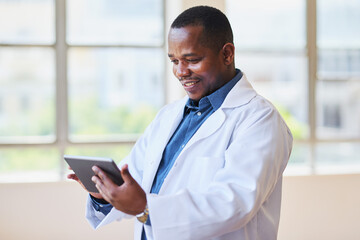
(205, 67)
(197, 67)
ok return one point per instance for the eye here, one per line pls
(174, 61)
(194, 60)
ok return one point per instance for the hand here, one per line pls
(129, 198)
(73, 176)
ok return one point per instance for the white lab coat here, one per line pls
(226, 182)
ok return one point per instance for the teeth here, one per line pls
(189, 84)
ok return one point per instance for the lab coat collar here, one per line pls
(240, 94)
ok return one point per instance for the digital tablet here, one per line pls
(81, 165)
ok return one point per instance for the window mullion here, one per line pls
(312, 73)
(61, 81)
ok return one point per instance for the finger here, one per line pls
(107, 182)
(102, 181)
(99, 174)
(98, 183)
(104, 196)
(126, 174)
(73, 176)
(101, 188)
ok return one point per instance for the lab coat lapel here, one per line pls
(210, 126)
(168, 127)
(239, 95)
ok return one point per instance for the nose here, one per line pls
(182, 70)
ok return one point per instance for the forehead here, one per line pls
(187, 33)
(185, 39)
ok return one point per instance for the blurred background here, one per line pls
(86, 77)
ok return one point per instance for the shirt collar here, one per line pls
(217, 97)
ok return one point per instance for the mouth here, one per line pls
(188, 84)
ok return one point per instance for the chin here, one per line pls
(195, 97)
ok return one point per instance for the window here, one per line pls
(338, 83)
(305, 57)
(79, 77)
(76, 77)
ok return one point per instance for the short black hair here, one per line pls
(216, 26)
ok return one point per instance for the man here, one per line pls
(209, 166)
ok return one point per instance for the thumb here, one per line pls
(126, 174)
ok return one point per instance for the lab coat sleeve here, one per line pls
(135, 161)
(254, 163)
(97, 219)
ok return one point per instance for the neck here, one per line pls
(230, 74)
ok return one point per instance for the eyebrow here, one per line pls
(185, 55)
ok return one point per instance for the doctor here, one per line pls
(209, 166)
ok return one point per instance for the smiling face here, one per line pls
(200, 70)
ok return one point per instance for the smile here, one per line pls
(189, 84)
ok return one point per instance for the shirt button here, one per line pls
(199, 113)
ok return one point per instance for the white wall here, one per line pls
(313, 208)
(320, 207)
(55, 211)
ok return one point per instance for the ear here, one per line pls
(228, 52)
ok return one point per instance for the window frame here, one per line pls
(310, 52)
(62, 141)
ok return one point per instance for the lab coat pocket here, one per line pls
(207, 169)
